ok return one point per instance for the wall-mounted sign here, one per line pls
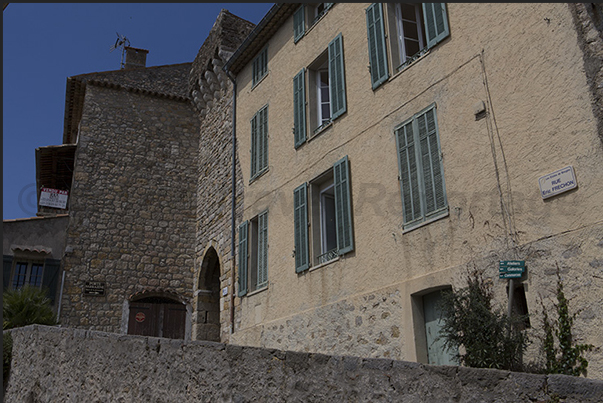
(94, 288)
(140, 317)
(557, 182)
(53, 198)
(511, 268)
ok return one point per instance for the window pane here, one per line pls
(20, 273)
(35, 278)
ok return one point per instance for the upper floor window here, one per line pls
(327, 97)
(421, 172)
(260, 66)
(35, 271)
(27, 273)
(259, 142)
(306, 16)
(253, 254)
(411, 30)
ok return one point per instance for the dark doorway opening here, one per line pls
(157, 317)
(208, 298)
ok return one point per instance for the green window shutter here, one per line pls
(255, 73)
(263, 139)
(254, 141)
(343, 206)
(409, 181)
(376, 44)
(7, 269)
(337, 77)
(328, 6)
(50, 278)
(299, 108)
(433, 180)
(300, 206)
(243, 247)
(299, 24)
(436, 22)
(262, 278)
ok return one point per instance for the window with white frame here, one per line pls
(326, 93)
(27, 273)
(324, 206)
(398, 33)
(260, 66)
(421, 171)
(259, 142)
(253, 254)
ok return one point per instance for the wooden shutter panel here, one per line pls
(263, 139)
(376, 44)
(300, 206)
(50, 278)
(299, 108)
(343, 206)
(436, 22)
(6, 271)
(433, 180)
(328, 6)
(254, 140)
(262, 278)
(337, 77)
(299, 24)
(409, 182)
(243, 247)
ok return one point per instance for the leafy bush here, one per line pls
(490, 338)
(562, 356)
(7, 352)
(26, 306)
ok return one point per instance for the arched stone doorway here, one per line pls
(157, 314)
(208, 298)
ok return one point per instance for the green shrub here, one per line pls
(490, 338)
(7, 353)
(26, 306)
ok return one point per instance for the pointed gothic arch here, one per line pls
(208, 297)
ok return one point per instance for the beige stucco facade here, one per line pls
(524, 63)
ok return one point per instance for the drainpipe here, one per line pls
(233, 201)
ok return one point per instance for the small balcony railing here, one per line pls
(327, 257)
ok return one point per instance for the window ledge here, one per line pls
(319, 130)
(259, 290)
(428, 221)
(260, 80)
(404, 66)
(325, 264)
(258, 175)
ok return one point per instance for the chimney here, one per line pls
(135, 58)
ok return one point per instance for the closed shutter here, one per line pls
(299, 108)
(343, 206)
(50, 279)
(436, 22)
(254, 145)
(376, 44)
(337, 77)
(243, 246)
(263, 139)
(262, 278)
(435, 197)
(300, 206)
(409, 181)
(6, 271)
(299, 25)
(328, 6)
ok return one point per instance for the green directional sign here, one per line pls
(511, 268)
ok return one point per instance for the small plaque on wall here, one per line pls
(94, 288)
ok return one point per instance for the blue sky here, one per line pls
(44, 43)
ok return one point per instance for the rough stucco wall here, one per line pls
(132, 214)
(529, 74)
(54, 364)
(48, 232)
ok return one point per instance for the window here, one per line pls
(329, 217)
(411, 30)
(259, 142)
(421, 172)
(27, 273)
(253, 254)
(306, 16)
(326, 80)
(260, 66)
(36, 271)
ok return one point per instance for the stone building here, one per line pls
(387, 149)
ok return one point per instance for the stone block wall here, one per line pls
(132, 212)
(58, 364)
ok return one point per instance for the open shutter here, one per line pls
(433, 180)
(376, 44)
(243, 246)
(300, 205)
(343, 206)
(299, 108)
(299, 24)
(436, 22)
(337, 77)
(254, 141)
(262, 278)
(6, 270)
(50, 278)
(263, 139)
(409, 182)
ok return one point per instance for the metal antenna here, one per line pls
(121, 42)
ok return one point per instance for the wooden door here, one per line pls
(437, 354)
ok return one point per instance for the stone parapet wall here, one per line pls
(59, 364)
